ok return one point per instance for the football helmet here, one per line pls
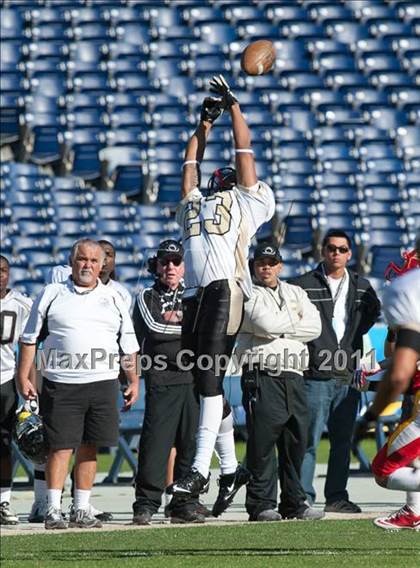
(30, 436)
(221, 180)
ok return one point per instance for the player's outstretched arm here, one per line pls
(244, 156)
(211, 109)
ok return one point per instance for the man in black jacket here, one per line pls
(172, 407)
(349, 307)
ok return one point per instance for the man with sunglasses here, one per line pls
(217, 227)
(172, 408)
(349, 307)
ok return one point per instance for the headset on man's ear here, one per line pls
(152, 265)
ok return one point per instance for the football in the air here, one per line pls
(258, 57)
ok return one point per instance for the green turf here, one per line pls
(294, 544)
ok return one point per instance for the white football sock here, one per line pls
(81, 498)
(5, 494)
(413, 501)
(404, 479)
(225, 446)
(40, 485)
(211, 412)
(54, 498)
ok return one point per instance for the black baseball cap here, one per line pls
(170, 248)
(267, 250)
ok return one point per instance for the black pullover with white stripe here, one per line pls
(363, 309)
(158, 337)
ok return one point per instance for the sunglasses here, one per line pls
(341, 250)
(175, 261)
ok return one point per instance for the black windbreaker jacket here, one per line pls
(327, 358)
(158, 337)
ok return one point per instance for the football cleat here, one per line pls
(38, 512)
(6, 515)
(54, 519)
(404, 518)
(192, 484)
(187, 516)
(229, 486)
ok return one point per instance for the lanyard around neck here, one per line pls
(339, 289)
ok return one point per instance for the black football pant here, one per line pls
(211, 321)
(171, 419)
(276, 413)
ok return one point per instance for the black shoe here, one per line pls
(342, 506)
(192, 484)
(305, 513)
(142, 517)
(186, 516)
(104, 517)
(202, 510)
(229, 486)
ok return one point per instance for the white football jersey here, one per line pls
(401, 301)
(217, 232)
(14, 313)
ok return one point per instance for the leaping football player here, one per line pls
(217, 226)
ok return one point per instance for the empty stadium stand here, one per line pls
(99, 97)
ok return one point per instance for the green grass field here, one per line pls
(290, 544)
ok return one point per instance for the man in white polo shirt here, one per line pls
(84, 326)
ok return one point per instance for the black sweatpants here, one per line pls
(276, 418)
(171, 420)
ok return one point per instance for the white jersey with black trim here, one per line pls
(217, 232)
(14, 313)
(401, 301)
(87, 329)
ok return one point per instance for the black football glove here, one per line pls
(219, 86)
(211, 109)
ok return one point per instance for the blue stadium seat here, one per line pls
(196, 14)
(387, 117)
(52, 84)
(166, 16)
(79, 152)
(215, 33)
(54, 50)
(389, 28)
(10, 55)
(12, 24)
(40, 139)
(9, 118)
(134, 33)
(52, 31)
(11, 83)
(75, 213)
(346, 31)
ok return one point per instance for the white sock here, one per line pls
(404, 479)
(54, 498)
(81, 498)
(413, 501)
(211, 412)
(168, 498)
(5, 494)
(225, 446)
(40, 485)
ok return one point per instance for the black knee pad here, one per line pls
(226, 409)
